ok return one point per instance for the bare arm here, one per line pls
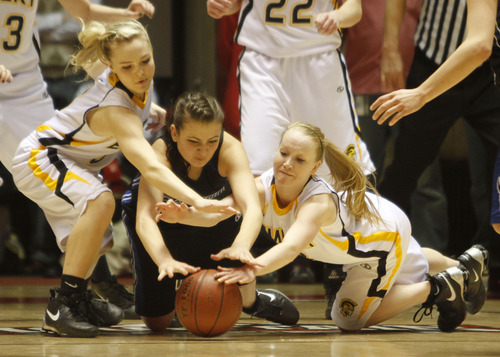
(312, 215)
(234, 164)
(476, 48)
(391, 65)
(126, 126)
(151, 237)
(86, 10)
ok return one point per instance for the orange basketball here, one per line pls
(206, 307)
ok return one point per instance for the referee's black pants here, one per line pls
(421, 134)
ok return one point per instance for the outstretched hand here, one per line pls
(171, 211)
(236, 253)
(396, 105)
(171, 266)
(242, 275)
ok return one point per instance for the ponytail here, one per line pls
(347, 175)
(97, 39)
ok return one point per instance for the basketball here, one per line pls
(206, 307)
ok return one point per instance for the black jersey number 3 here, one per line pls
(14, 25)
(274, 13)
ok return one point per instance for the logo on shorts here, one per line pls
(340, 89)
(96, 160)
(366, 266)
(347, 307)
(351, 152)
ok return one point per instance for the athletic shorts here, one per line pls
(25, 104)
(365, 285)
(58, 186)
(275, 92)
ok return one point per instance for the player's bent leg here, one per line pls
(86, 238)
(158, 323)
(398, 299)
(437, 261)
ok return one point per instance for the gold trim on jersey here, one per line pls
(392, 237)
(75, 142)
(280, 211)
(45, 177)
(113, 80)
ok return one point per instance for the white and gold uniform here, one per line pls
(374, 257)
(289, 72)
(57, 166)
(25, 102)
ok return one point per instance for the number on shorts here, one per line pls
(297, 18)
(14, 25)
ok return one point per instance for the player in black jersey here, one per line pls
(214, 164)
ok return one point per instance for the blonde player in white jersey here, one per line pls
(25, 102)
(383, 267)
(57, 166)
(291, 68)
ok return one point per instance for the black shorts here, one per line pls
(191, 245)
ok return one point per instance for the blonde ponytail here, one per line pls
(347, 175)
(97, 40)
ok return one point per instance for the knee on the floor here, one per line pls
(160, 323)
(348, 325)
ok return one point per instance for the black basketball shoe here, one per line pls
(62, 317)
(101, 313)
(475, 260)
(447, 289)
(116, 294)
(274, 306)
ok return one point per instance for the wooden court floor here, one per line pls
(22, 303)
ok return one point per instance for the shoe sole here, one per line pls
(52, 331)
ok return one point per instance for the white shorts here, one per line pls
(59, 186)
(357, 299)
(275, 92)
(25, 104)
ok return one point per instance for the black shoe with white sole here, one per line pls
(274, 306)
(447, 293)
(475, 260)
(62, 317)
(115, 293)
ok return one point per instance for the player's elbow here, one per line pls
(482, 50)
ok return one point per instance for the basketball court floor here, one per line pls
(22, 303)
